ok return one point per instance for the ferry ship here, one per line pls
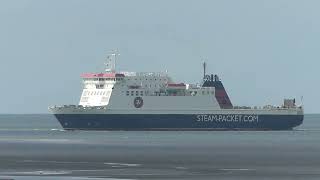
(153, 101)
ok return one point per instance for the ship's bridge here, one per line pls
(102, 76)
(98, 88)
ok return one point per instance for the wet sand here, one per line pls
(143, 158)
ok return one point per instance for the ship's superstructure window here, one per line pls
(85, 93)
(128, 93)
(84, 99)
(99, 86)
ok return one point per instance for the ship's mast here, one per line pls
(111, 61)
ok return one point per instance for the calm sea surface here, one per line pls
(36, 147)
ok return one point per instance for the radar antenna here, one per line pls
(111, 61)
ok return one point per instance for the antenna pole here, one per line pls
(204, 69)
(116, 54)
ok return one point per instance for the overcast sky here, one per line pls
(263, 50)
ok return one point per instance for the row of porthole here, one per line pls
(134, 93)
(203, 92)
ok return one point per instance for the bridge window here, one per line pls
(137, 93)
(132, 93)
(128, 93)
(99, 86)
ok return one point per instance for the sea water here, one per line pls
(36, 147)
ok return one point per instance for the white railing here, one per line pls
(77, 107)
(145, 74)
(266, 107)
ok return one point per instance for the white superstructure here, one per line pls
(117, 90)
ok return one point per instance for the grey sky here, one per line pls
(263, 50)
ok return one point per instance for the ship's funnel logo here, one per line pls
(138, 102)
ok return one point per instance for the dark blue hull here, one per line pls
(136, 122)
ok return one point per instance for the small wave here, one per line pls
(236, 169)
(57, 130)
(41, 140)
(56, 162)
(41, 173)
(122, 164)
(32, 177)
(309, 129)
(26, 129)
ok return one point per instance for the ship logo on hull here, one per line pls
(138, 102)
